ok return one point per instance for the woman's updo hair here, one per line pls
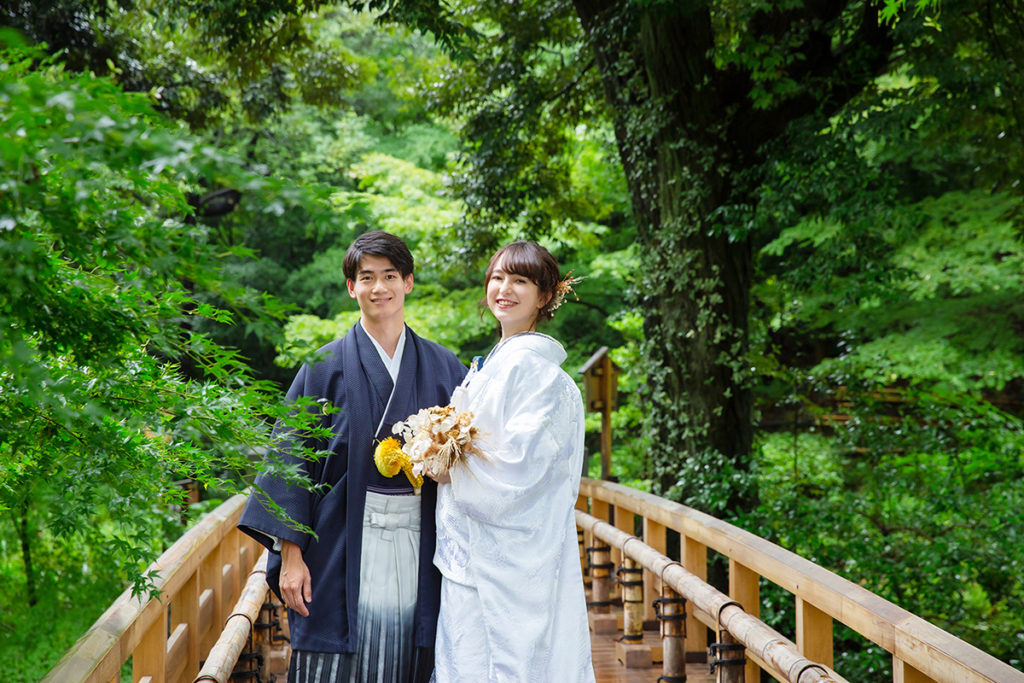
(533, 261)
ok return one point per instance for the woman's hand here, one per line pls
(443, 478)
(440, 478)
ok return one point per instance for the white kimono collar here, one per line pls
(548, 347)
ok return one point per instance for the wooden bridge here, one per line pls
(214, 615)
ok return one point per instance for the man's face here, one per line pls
(379, 289)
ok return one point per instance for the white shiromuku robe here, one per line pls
(513, 607)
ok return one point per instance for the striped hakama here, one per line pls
(387, 601)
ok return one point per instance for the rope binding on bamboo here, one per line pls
(714, 649)
(629, 570)
(660, 614)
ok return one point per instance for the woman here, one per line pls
(512, 602)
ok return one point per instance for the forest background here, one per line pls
(799, 226)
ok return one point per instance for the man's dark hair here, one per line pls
(377, 243)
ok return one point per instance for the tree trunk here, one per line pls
(695, 280)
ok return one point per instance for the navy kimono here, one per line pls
(353, 378)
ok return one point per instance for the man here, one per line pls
(363, 595)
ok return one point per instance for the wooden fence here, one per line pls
(920, 651)
(199, 578)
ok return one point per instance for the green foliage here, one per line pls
(859, 159)
(106, 272)
(918, 506)
(953, 317)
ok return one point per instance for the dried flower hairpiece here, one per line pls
(561, 289)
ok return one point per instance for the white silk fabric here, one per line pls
(506, 534)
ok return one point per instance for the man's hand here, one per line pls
(296, 585)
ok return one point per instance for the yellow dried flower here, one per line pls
(389, 457)
(414, 479)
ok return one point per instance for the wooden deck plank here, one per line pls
(608, 669)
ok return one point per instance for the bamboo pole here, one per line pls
(630, 648)
(778, 653)
(631, 580)
(727, 651)
(600, 576)
(238, 627)
(671, 611)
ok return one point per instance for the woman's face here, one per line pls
(515, 300)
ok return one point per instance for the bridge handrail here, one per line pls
(921, 651)
(198, 577)
(780, 654)
(238, 627)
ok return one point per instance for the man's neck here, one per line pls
(386, 333)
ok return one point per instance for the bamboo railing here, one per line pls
(238, 628)
(920, 651)
(201, 575)
(199, 578)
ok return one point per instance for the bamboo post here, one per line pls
(630, 649)
(671, 611)
(632, 600)
(728, 650)
(602, 621)
(600, 573)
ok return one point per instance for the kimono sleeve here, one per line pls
(258, 519)
(531, 447)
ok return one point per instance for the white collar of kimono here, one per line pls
(543, 344)
(392, 363)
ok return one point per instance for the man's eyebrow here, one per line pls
(364, 271)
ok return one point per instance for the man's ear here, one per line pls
(408, 283)
(351, 284)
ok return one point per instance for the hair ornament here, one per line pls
(564, 287)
